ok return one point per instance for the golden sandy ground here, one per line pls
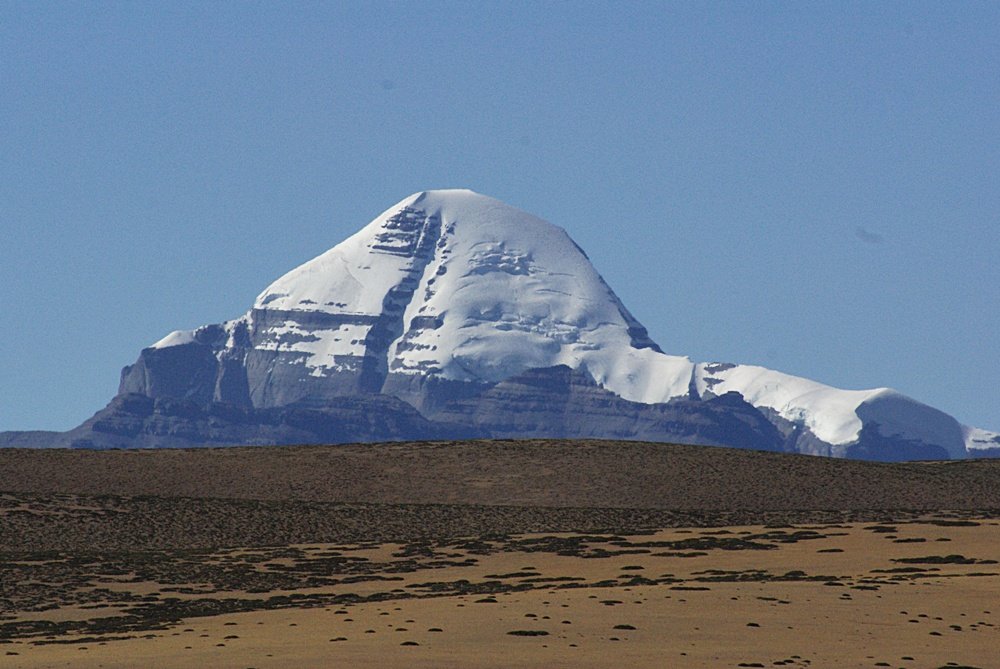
(852, 615)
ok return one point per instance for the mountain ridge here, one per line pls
(449, 294)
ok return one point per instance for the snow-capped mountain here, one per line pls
(468, 309)
(445, 285)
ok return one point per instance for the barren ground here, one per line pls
(495, 554)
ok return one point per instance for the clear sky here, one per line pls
(814, 187)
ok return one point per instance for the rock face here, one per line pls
(565, 403)
(454, 315)
(138, 421)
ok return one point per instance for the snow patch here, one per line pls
(829, 413)
(324, 349)
(977, 438)
(176, 338)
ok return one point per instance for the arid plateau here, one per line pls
(495, 554)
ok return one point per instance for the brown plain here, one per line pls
(495, 554)
(560, 473)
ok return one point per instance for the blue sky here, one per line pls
(808, 186)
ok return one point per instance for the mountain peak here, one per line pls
(467, 288)
(450, 292)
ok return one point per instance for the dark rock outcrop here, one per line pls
(560, 402)
(556, 402)
(138, 421)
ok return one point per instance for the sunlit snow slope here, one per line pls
(482, 291)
